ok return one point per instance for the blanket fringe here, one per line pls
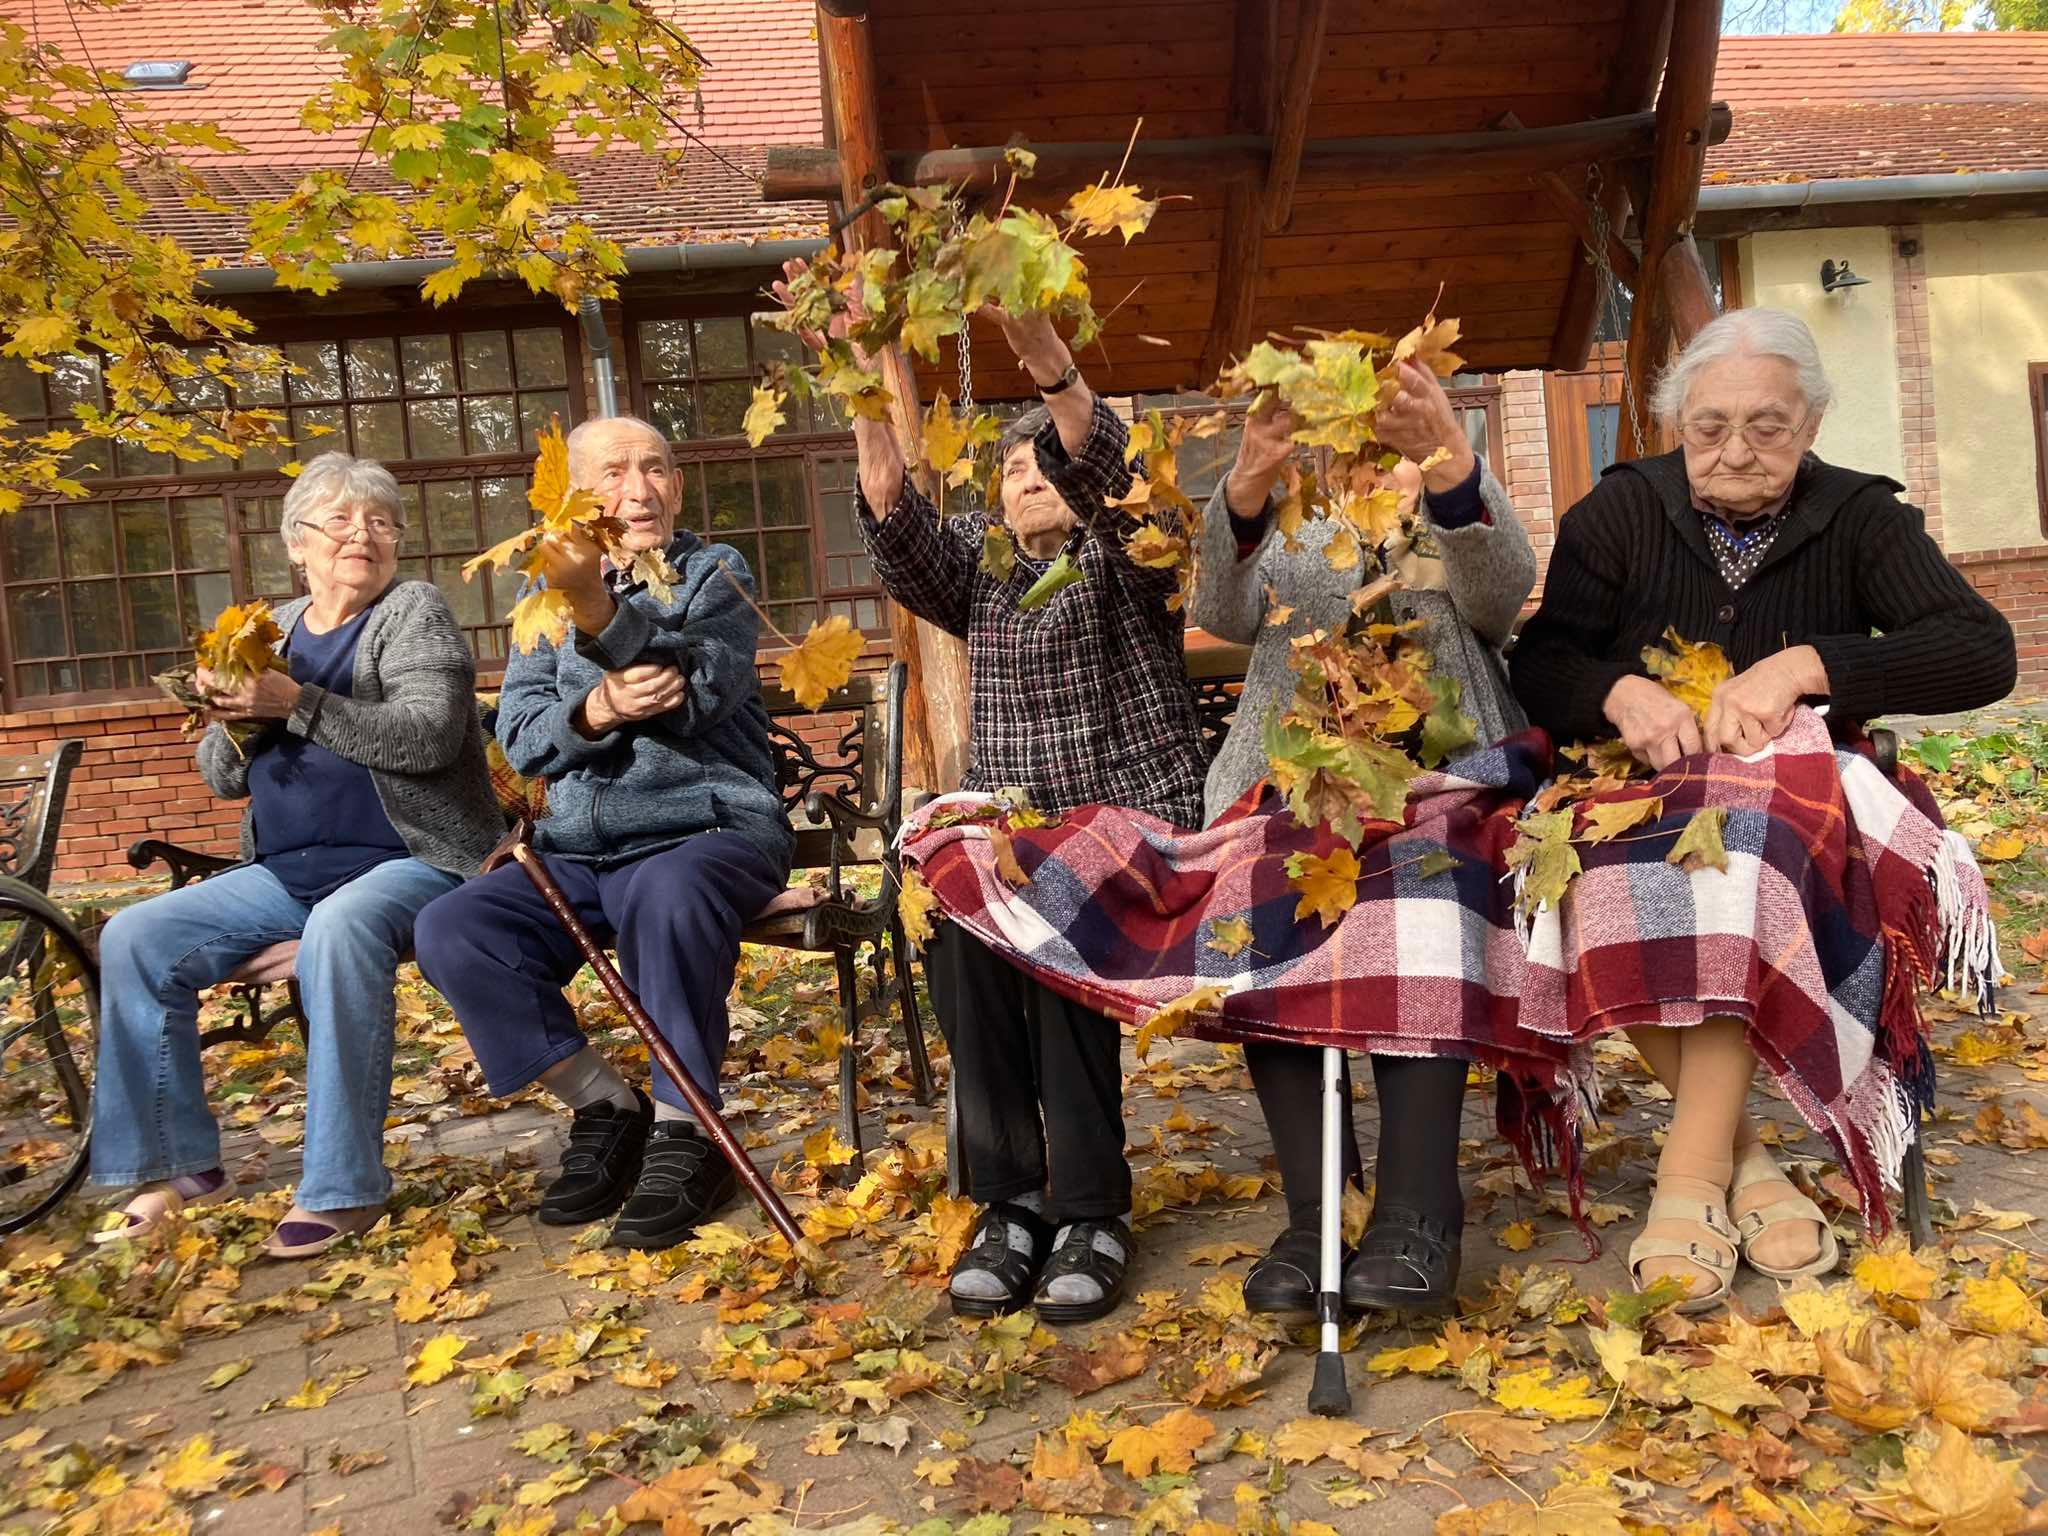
(1969, 937)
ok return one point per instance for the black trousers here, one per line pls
(1037, 1082)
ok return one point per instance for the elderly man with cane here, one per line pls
(664, 834)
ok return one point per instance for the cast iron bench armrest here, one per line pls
(185, 864)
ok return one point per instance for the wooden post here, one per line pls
(1251, 111)
(1290, 132)
(935, 702)
(1672, 300)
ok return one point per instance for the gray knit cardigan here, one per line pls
(412, 721)
(1488, 569)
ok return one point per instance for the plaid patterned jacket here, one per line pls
(1084, 700)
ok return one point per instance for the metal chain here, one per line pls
(966, 373)
(1610, 298)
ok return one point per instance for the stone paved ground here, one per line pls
(435, 1452)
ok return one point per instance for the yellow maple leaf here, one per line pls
(914, 903)
(1305, 1440)
(823, 661)
(1947, 1485)
(764, 415)
(1328, 887)
(1690, 670)
(1517, 1236)
(1172, 1017)
(436, 1358)
(1531, 1391)
(542, 614)
(558, 500)
(1153, 547)
(1343, 551)
(1229, 935)
(1895, 1272)
(1420, 1359)
(1605, 819)
(1997, 1305)
(1814, 1308)
(1569, 1509)
(1700, 846)
(1097, 209)
(950, 439)
(1999, 847)
(197, 1468)
(1167, 1445)
(1429, 344)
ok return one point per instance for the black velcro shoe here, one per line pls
(1284, 1283)
(1097, 1251)
(683, 1179)
(600, 1164)
(1014, 1261)
(1406, 1261)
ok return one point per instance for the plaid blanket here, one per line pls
(1841, 894)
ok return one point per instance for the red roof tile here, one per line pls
(1839, 69)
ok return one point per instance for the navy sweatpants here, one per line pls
(496, 952)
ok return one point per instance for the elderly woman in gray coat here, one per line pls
(368, 797)
(1466, 571)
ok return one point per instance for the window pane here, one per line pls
(138, 462)
(1475, 429)
(791, 618)
(725, 408)
(372, 367)
(145, 536)
(669, 407)
(97, 675)
(539, 356)
(785, 500)
(436, 434)
(536, 411)
(75, 381)
(92, 456)
(506, 584)
(665, 349)
(203, 391)
(485, 362)
(200, 531)
(730, 488)
(153, 613)
(1603, 431)
(722, 345)
(789, 565)
(749, 546)
(491, 427)
(504, 506)
(775, 346)
(321, 361)
(35, 621)
(451, 519)
(429, 365)
(412, 570)
(317, 431)
(465, 598)
(412, 538)
(203, 598)
(30, 543)
(21, 392)
(266, 572)
(378, 433)
(95, 616)
(88, 541)
(260, 389)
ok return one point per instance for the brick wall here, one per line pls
(1916, 376)
(2016, 582)
(1527, 447)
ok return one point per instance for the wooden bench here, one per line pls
(845, 805)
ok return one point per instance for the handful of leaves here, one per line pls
(241, 643)
(564, 510)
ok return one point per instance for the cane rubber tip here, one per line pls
(1329, 1395)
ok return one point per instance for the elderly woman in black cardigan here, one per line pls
(1819, 584)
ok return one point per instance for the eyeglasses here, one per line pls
(1714, 431)
(344, 529)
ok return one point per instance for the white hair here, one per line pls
(583, 431)
(337, 481)
(1745, 333)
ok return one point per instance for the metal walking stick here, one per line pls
(808, 1253)
(1328, 1394)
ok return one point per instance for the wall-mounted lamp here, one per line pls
(1835, 276)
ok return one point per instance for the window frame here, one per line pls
(233, 484)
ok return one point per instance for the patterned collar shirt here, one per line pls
(1084, 699)
(1739, 546)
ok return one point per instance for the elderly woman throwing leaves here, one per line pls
(368, 797)
(1465, 565)
(1079, 695)
(1763, 897)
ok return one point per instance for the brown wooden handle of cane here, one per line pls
(764, 1193)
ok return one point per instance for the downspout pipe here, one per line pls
(639, 259)
(597, 341)
(1793, 196)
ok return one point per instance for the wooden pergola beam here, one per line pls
(1290, 130)
(799, 172)
(1578, 212)
(1251, 111)
(935, 702)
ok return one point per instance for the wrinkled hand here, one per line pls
(1753, 708)
(1656, 726)
(1262, 453)
(841, 323)
(639, 692)
(574, 564)
(1034, 339)
(269, 695)
(1419, 421)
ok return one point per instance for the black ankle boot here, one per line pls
(1406, 1261)
(1284, 1283)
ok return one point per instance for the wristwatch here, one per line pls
(1064, 382)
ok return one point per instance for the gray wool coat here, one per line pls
(411, 720)
(1488, 570)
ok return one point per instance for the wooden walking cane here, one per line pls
(808, 1253)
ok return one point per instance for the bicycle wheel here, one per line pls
(49, 1040)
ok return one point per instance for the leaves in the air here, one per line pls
(764, 415)
(822, 661)
(950, 440)
(1102, 210)
(1058, 576)
(1699, 846)
(998, 554)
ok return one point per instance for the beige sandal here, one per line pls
(158, 1205)
(1718, 1260)
(318, 1230)
(1758, 1167)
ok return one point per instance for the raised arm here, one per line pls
(1230, 599)
(925, 565)
(1489, 566)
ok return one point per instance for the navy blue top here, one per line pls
(318, 821)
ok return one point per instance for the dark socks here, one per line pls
(1420, 1101)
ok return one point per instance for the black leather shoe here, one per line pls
(1284, 1283)
(601, 1163)
(683, 1180)
(1406, 1262)
(992, 1252)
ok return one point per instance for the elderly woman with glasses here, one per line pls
(1820, 585)
(368, 797)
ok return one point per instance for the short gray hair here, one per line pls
(338, 480)
(1023, 430)
(583, 431)
(1745, 333)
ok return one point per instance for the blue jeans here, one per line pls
(496, 952)
(150, 1117)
